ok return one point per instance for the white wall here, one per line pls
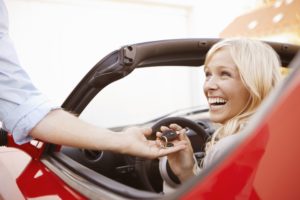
(58, 41)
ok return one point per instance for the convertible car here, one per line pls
(263, 164)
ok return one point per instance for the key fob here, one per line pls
(168, 135)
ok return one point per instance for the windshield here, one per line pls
(146, 94)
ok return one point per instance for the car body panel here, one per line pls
(12, 163)
(23, 177)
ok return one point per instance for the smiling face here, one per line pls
(225, 92)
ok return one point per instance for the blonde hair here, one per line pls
(259, 68)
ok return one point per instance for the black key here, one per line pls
(169, 144)
(169, 135)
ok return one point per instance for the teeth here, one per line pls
(213, 100)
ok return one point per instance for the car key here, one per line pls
(167, 137)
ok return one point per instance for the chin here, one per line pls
(217, 119)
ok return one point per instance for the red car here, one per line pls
(265, 164)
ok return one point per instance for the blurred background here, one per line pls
(59, 41)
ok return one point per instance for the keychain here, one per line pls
(167, 137)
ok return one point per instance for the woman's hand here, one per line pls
(181, 162)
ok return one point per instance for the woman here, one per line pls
(240, 73)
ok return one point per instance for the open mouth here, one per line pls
(216, 101)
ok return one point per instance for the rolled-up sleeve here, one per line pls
(22, 105)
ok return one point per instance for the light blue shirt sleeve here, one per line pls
(22, 105)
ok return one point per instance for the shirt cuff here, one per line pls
(196, 168)
(27, 116)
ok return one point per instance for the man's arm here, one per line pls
(22, 105)
(27, 113)
(61, 127)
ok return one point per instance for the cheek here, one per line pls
(204, 90)
(241, 99)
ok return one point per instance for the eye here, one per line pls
(225, 73)
(207, 74)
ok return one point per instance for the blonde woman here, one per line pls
(240, 73)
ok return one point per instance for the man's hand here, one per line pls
(134, 142)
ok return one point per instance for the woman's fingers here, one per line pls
(175, 127)
(164, 128)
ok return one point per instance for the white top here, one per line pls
(217, 151)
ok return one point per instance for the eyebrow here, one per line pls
(222, 66)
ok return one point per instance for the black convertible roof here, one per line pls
(175, 52)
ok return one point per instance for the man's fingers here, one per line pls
(159, 134)
(169, 150)
(146, 131)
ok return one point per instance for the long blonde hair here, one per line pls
(259, 68)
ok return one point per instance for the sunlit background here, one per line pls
(58, 41)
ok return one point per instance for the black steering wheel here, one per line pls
(153, 172)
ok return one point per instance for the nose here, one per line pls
(210, 84)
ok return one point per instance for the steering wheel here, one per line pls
(153, 172)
